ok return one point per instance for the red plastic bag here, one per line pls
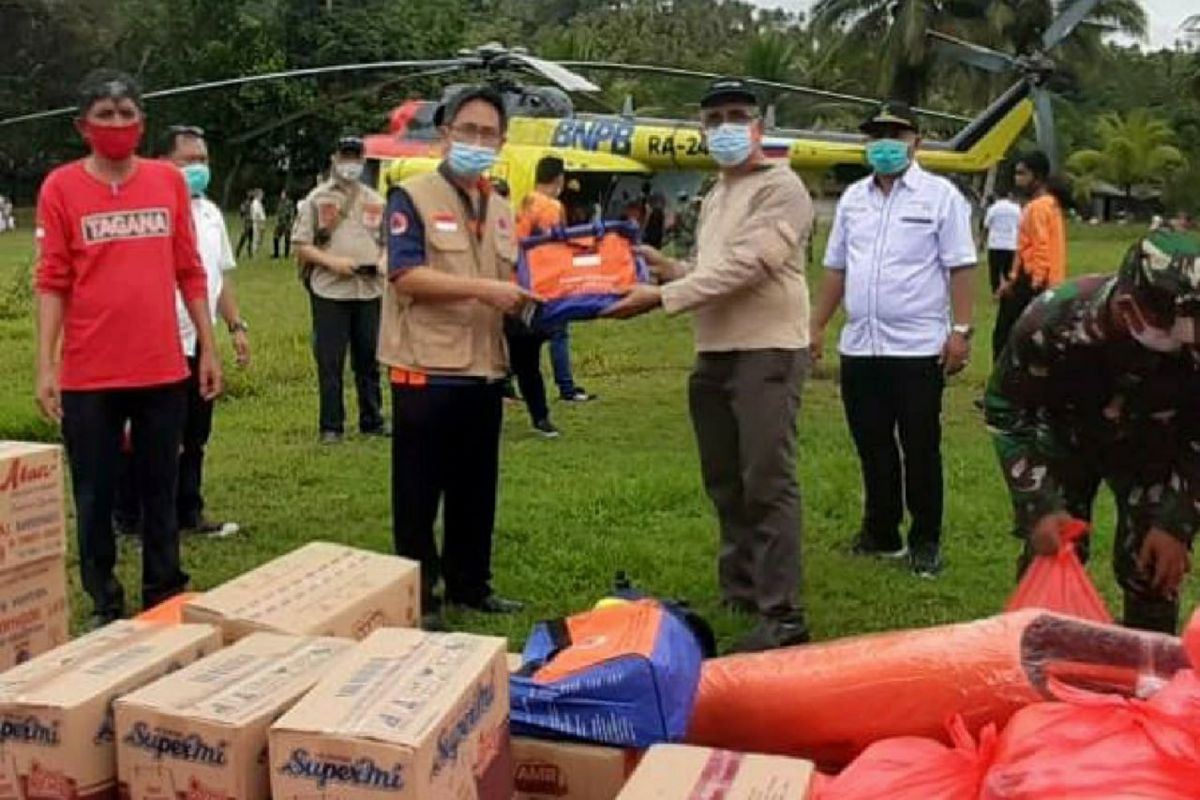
(1191, 640)
(913, 768)
(1102, 747)
(1060, 583)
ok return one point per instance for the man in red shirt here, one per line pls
(115, 242)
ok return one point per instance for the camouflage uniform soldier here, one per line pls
(1099, 383)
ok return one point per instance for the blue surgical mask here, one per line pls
(730, 144)
(197, 177)
(470, 160)
(888, 156)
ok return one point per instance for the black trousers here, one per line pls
(245, 240)
(894, 410)
(525, 352)
(284, 236)
(446, 451)
(189, 496)
(93, 424)
(338, 325)
(999, 264)
(1010, 310)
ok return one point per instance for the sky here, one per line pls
(1165, 16)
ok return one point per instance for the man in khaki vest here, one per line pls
(749, 300)
(451, 249)
(338, 235)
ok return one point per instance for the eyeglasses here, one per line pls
(469, 132)
(186, 130)
(734, 116)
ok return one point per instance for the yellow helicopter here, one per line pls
(605, 152)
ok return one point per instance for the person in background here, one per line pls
(187, 149)
(115, 246)
(451, 250)
(258, 220)
(901, 257)
(285, 218)
(246, 237)
(541, 211)
(1041, 261)
(656, 221)
(684, 239)
(1000, 222)
(339, 238)
(748, 293)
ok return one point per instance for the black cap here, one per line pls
(725, 90)
(350, 146)
(450, 105)
(890, 113)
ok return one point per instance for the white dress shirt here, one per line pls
(897, 251)
(1001, 220)
(212, 240)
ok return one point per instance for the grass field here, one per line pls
(619, 491)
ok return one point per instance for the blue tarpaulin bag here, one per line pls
(624, 675)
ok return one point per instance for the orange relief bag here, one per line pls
(580, 271)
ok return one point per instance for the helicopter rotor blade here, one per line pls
(566, 80)
(783, 87)
(1043, 119)
(1066, 23)
(315, 107)
(968, 52)
(267, 76)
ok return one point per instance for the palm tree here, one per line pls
(1191, 28)
(895, 29)
(1137, 148)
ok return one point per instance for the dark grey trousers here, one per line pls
(744, 406)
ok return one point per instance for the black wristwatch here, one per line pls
(241, 326)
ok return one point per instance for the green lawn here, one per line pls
(619, 491)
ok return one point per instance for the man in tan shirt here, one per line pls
(749, 299)
(338, 236)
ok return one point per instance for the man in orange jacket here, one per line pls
(1041, 261)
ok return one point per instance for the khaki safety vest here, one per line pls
(463, 338)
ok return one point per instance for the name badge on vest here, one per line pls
(445, 223)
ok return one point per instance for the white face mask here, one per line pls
(1157, 339)
(348, 171)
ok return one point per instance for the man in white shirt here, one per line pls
(187, 149)
(1001, 221)
(258, 221)
(900, 254)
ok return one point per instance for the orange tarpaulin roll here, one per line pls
(169, 611)
(827, 702)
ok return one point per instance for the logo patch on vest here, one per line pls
(398, 224)
(145, 223)
(372, 215)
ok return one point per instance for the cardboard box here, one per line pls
(33, 521)
(56, 718)
(679, 772)
(320, 589)
(406, 715)
(549, 770)
(33, 610)
(202, 732)
(546, 770)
